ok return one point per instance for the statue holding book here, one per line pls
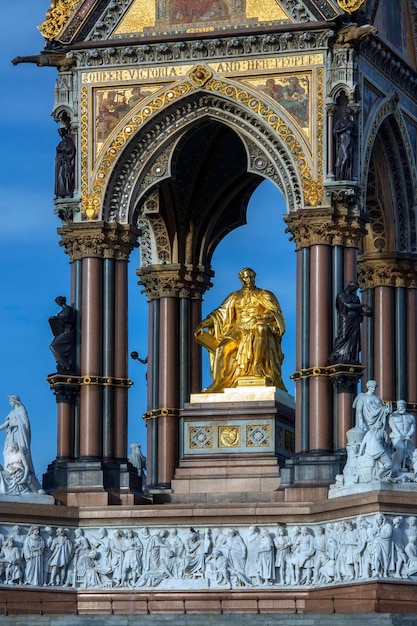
(243, 337)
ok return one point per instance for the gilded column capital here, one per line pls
(176, 280)
(387, 270)
(101, 240)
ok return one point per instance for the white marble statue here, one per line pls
(403, 427)
(17, 477)
(369, 408)
(138, 460)
(380, 446)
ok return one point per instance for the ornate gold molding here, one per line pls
(312, 188)
(328, 371)
(92, 192)
(56, 380)
(56, 18)
(102, 240)
(380, 270)
(350, 6)
(178, 281)
(162, 412)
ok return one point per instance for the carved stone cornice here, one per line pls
(340, 225)
(178, 281)
(398, 72)
(100, 240)
(221, 47)
(377, 270)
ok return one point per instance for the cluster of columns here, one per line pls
(327, 242)
(390, 287)
(92, 399)
(174, 363)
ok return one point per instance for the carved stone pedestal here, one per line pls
(232, 445)
(83, 483)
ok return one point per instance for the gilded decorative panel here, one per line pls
(189, 16)
(111, 106)
(116, 103)
(291, 92)
(229, 436)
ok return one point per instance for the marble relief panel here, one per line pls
(378, 546)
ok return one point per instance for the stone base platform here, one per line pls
(217, 479)
(232, 444)
(372, 604)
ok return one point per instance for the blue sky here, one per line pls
(34, 269)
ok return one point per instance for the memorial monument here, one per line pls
(173, 112)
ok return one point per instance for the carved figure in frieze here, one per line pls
(81, 548)
(282, 550)
(61, 554)
(302, 557)
(10, 557)
(48, 539)
(252, 539)
(381, 546)
(145, 537)
(160, 560)
(132, 559)
(177, 546)
(266, 562)
(399, 542)
(350, 311)
(117, 547)
(217, 570)
(194, 563)
(90, 573)
(327, 569)
(33, 549)
(320, 552)
(347, 546)
(412, 527)
(362, 557)
(294, 543)
(101, 543)
(411, 552)
(244, 336)
(237, 551)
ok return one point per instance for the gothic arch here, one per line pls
(390, 195)
(146, 187)
(275, 146)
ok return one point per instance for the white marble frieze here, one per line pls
(277, 556)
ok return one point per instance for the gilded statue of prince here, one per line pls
(244, 337)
